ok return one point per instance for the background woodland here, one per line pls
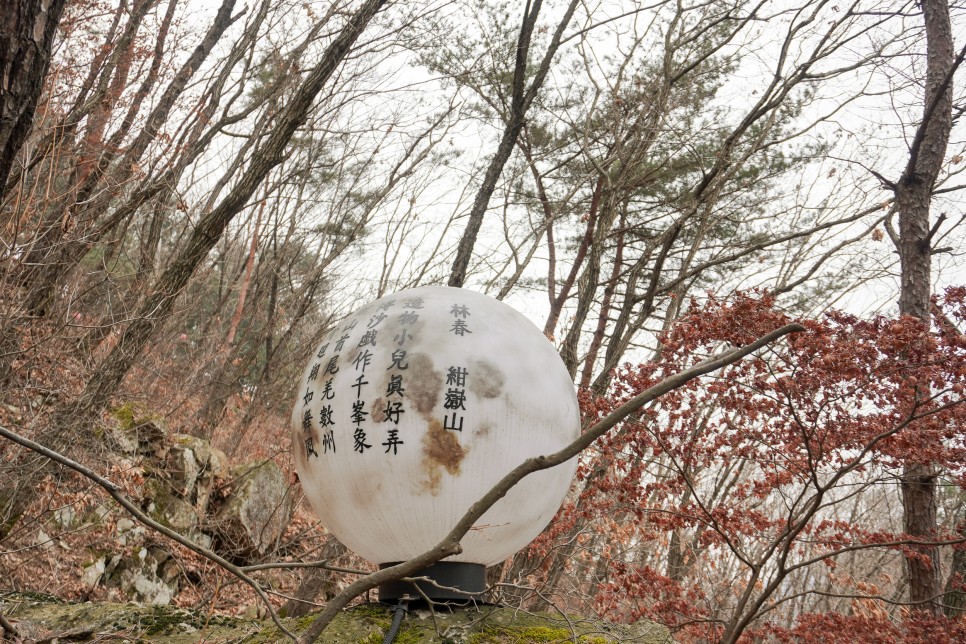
(193, 194)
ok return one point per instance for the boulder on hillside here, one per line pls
(151, 575)
(167, 508)
(253, 518)
(138, 432)
(192, 467)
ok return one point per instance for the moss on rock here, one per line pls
(136, 430)
(41, 616)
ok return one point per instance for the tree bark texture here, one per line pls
(68, 427)
(27, 30)
(913, 198)
(954, 601)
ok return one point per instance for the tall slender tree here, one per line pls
(522, 97)
(914, 191)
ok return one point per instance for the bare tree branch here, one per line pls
(450, 544)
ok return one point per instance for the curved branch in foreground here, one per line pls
(450, 545)
(138, 514)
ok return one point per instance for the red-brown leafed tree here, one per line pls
(775, 475)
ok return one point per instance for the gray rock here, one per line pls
(138, 432)
(150, 576)
(214, 471)
(167, 508)
(256, 513)
(93, 573)
(187, 457)
(65, 517)
(192, 467)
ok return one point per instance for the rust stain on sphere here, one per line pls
(378, 410)
(441, 450)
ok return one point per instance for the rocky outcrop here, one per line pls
(188, 487)
(149, 576)
(193, 466)
(254, 516)
(138, 432)
(169, 509)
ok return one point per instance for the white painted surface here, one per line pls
(391, 502)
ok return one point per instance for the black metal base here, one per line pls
(452, 581)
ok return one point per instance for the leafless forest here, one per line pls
(192, 194)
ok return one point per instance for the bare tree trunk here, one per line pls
(52, 259)
(597, 340)
(57, 217)
(317, 582)
(66, 427)
(206, 234)
(954, 600)
(913, 199)
(557, 303)
(589, 283)
(520, 103)
(247, 279)
(27, 30)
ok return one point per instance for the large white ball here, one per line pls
(414, 406)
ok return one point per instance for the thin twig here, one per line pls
(323, 564)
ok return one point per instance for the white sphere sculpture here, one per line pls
(414, 406)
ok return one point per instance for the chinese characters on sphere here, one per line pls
(358, 429)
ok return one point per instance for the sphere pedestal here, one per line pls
(447, 582)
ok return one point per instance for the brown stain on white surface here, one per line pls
(485, 379)
(299, 449)
(378, 410)
(424, 385)
(441, 451)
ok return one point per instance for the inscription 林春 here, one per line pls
(460, 313)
